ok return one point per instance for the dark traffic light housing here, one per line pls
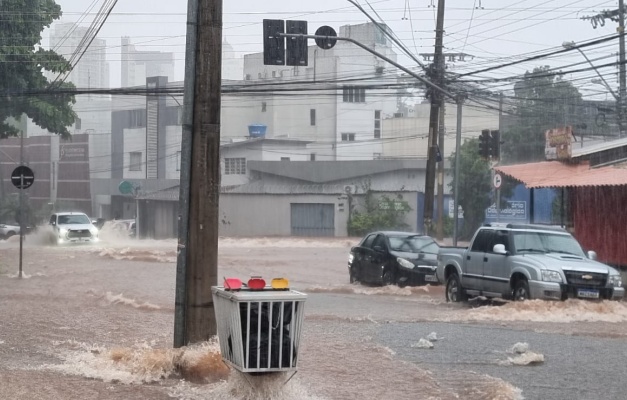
(495, 145)
(274, 43)
(484, 144)
(490, 144)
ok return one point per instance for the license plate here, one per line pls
(588, 294)
(431, 278)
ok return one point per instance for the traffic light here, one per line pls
(273, 44)
(274, 52)
(484, 144)
(495, 145)
(297, 50)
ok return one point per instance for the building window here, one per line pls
(285, 158)
(264, 106)
(353, 94)
(312, 157)
(77, 124)
(234, 166)
(348, 137)
(247, 77)
(274, 74)
(178, 160)
(377, 124)
(137, 119)
(135, 163)
(312, 117)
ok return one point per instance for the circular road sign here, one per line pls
(22, 177)
(498, 181)
(328, 42)
(125, 187)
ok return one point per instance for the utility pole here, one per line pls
(434, 119)
(622, 72)
(441, 134)
(599, 20)
(197, 262)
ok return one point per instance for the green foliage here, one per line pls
(23, 65)
(379, 213)
(475, 187)
(543, 101)
(10, 210)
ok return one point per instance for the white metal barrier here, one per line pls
(259, 331)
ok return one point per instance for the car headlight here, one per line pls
(616, 280)
(63, 231)
(551, 276)
(351, 257)
(93, 231)
(405, 263)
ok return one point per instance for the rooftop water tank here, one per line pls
(257, 130)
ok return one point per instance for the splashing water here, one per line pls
(549, 311)
(120, 299)
(246, 387)
(390, 290)
(142, 363)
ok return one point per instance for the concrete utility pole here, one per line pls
(441, 138)
(622, 72)
(197, 263)
(434, 119)
(599, 20)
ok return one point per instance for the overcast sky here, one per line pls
(493, 34)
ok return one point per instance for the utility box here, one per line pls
(259, 330)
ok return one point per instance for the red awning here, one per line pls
(556, 174)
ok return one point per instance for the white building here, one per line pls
(232, 64)
(407, 136)
(338, 101)
(138, 65)
(91, 72)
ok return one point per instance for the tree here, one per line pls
(542, 101)
(379, 213)
(475, 187)
(23, 62)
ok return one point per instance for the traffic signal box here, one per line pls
(490, 144)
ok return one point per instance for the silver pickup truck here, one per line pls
(520, 262)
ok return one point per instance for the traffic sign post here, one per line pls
(497, 181)
(22, 178)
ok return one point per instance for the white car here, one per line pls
(70, 227)
(8, 230)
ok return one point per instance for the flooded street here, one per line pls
(97, 322)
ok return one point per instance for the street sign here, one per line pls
(22, 177)
(328, 42)
(497, 181)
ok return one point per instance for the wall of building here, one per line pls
(408, 137)
(270, 213)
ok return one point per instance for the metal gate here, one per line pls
(313, 219)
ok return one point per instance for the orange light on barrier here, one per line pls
(280, 284)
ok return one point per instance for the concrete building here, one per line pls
(91, 72)
(232, 63)
(297, 198)
(137, 65)
(407, 136)
(61, 170)
(338, 100)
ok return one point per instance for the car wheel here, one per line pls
(387, 278)
(454, 291)
(9, 234)
(521, 290)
